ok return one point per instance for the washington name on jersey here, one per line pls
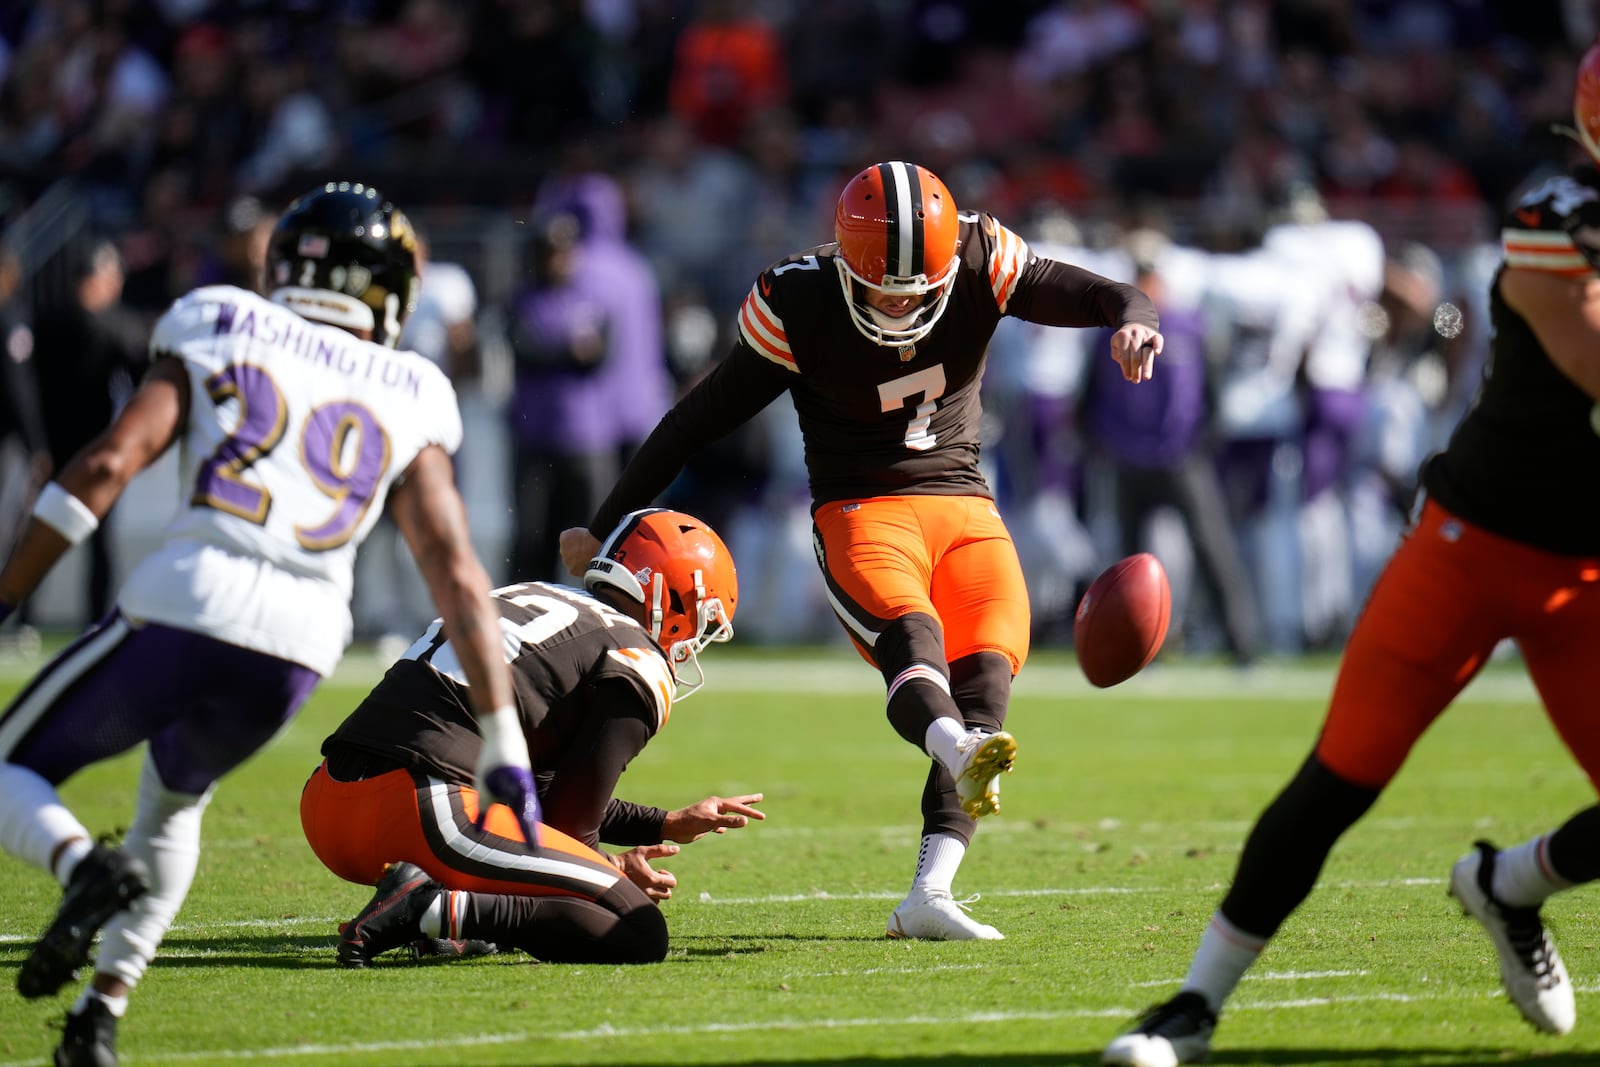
(296, 432)
(1525, 460)
(559, 642)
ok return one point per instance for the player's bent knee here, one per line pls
(640, 933)
(913, 638)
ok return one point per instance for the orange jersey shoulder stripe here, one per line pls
(1010, 255)
(763, 331)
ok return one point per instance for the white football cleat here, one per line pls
(1167, 1035)
(984, 757)
(934, 915)
(1530, 967)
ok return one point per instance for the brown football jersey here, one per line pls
(1525, 460)
(573, 661)
(876, 420)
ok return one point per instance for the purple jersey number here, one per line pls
(342, 447)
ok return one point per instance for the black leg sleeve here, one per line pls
(981, 686)
(1288, 846)
(1575, 847)
(622, 925)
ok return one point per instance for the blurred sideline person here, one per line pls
(87, 357)
(880, 340)
(24, 447)
(563, 410)
(596, 676)
(295, 421)
(1505, 545)
(1155, 440)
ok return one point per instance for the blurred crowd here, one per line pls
(1309, 188)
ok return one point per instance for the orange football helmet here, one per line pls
(1586, 102)
(679, 569)
(898, 235)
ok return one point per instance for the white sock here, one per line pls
(942, 741)
(937, 861)
(432, 922)
(67, 859)
(33, 821)
(118, 1006)
(1225, 953)
(1523, 877)
(165, 834)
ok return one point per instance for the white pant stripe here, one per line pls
(473, 850)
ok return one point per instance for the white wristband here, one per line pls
(64, 513)
(503, 740)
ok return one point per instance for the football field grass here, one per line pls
(1120, 829)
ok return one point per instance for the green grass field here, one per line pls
(1121, 826)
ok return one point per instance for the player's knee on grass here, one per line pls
(622, 925)
(1291, 840)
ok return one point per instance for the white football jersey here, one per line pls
(1269, 319)
(296, 432)
(1346, 259)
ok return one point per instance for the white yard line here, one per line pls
(769, 899)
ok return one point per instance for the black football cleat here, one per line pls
(89, 1039)
(392, 918)
(1178, 1031)
(103, 883)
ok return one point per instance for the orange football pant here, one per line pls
(1451, 592)
(949, 557)
(355, 828)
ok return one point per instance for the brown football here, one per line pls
(1122, 620)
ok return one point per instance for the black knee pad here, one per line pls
(640, 934)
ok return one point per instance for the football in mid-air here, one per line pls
(1122, 620)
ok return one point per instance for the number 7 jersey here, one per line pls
(296, 431)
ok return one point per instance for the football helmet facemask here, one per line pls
(898, 235)
(679, 569)
(344, 255)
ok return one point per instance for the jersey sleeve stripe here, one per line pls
(1010, 255)
(763, 331)
(1544, 251)
(1548, 251)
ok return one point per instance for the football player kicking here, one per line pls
(880, 338)
(297, 420)
(596, 675)
(1506, 545)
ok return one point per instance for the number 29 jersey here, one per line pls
(296, 432)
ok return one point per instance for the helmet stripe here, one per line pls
(902, 193)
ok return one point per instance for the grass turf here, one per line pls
(1120, 829)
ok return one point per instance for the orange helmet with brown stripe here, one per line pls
(678, 570)
(898, 235)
